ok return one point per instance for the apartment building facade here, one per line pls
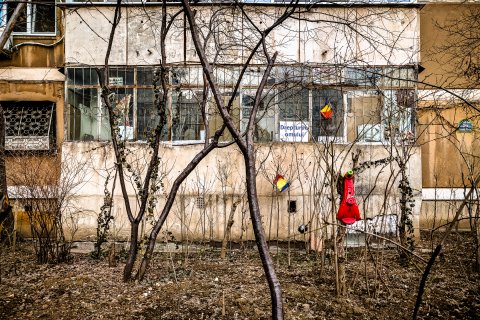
(378, 66)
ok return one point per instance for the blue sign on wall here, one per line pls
(465, 125)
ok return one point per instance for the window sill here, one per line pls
(37, 36)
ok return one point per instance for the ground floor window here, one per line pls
(29, 125)
(297, 104)
(381, 115)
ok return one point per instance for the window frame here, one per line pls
(187, 78)
(30, 13)
(381, 94)
(135, 87)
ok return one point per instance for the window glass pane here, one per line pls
(147, 115)
(192, 75)
(70, 76)
(215, 119)
(187, 122)
(43, 16)
(145, 76)
(82, 76)
(368, 77)
(327, 114)
(21, 23)
(226, 76)
(376, 116)
(397, 115)
(266, 128)
(327, 75)
(291, 74)
(252, 76)
(123, 109)
(398, 76)
(364, 116)
(90, 77)
(78, 76)
(3, 15)
(82, 114)
(293, 104)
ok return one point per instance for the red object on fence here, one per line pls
(348, 212)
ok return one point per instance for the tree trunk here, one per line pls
(226, 236)
(132, 252)
(477, 261)
(261, 241)
(5, 209)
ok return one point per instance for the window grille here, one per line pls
(200, 202)
(28, 125)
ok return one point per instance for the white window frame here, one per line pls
(30, 15)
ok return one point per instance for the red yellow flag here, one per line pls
(326, 111)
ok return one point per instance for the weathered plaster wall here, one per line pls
(38, 50)
(301, 164)
(442, 62)
(25, 90)
(371, 35)
(448, 156)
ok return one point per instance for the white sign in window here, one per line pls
(115, 81)
(294, 131)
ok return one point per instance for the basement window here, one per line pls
(292, 206)
(29, 126)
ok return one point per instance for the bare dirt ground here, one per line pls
(200, 285)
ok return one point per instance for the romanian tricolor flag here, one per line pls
(281, 183)
(326, 111)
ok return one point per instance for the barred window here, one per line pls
(29, 125)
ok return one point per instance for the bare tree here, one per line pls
(150, 183)
(47, 194)
(212, 37)
(5, 208)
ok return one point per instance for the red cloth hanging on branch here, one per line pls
(348, 211)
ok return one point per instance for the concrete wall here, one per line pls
(449, 157)
(302, 164)
(366, 35)
(442, 54)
